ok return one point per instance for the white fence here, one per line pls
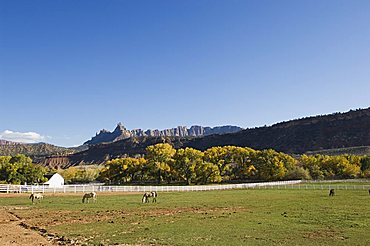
(292, 184)
(103, 188)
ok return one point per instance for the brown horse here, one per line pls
(87, 196)
(331, 192)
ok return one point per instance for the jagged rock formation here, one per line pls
(120, 132)
(99, 153)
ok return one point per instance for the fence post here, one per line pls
(7, 189)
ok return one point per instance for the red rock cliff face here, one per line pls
(57, 162)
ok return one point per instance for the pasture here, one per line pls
(230, 217)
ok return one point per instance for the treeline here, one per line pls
(164, 164)
(19, 169)
(80, 175)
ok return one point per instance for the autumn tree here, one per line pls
(186, 160)
(221, 157)
(269, 164)
(160, 160)
(241, 162)
(207, 172)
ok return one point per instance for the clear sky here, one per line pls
(69, 68)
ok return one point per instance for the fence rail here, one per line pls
(137, 188)
(292, 184)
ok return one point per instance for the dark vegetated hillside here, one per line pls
(298, 136)
(362, 150)
(35, 151)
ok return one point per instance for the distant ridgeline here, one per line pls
(311, 134)
(339, 130)
(37, 151)
(121, 133)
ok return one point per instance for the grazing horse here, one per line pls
(147, 195)
(145, 198)
(36, 196)
(87, 196)
(154, 195)
(331, 192)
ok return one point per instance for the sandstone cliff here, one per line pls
(120, 132)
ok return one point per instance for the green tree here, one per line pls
(19, 169)
(365, 163)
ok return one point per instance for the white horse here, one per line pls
(147, 195)
(87, 196)
(36, 196)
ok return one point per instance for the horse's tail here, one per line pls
(32, 197)
(83, 199)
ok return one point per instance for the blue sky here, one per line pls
(71, 68)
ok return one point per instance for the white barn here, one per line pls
(56, 181)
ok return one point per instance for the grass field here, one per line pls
(234, 217)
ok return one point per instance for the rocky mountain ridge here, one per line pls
(339, 130)
(120, 133)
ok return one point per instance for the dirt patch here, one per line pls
(42, 218)
(12, 233)
(175, 211)
(41, 223)
(322, 234)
